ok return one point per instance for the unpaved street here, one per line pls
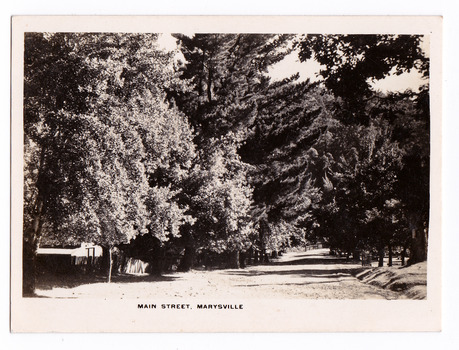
(309, 275)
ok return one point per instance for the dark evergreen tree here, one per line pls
(228, 75)
(351, 63)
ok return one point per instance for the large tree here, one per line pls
(350, 64)
(227, 73)
(280, 145)
(104, 151)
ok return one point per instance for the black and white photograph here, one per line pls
(198, 171)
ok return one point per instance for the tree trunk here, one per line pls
(265, 257)
(390, 255)
(233, 262)
(105, 263)
(418, 251)
(256, 257)
(403, 255)
(356, 255)
(29, 267)
(29, 250)
(189, 258)
(110, 264)
(381, 256)
(187, 263)
(242, 260)
(157, 259)
(31, 236)
(209, 84)
(122, 261)
(250, 257)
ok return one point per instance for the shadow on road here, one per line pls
(319, 273)
(49, 281)
(302, 284)
(314, 260)
(311, 262)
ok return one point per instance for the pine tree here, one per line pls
(228, 76)
(350, 63)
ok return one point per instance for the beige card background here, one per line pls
(270, 315)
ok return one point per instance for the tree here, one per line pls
(350, 63)
(219, 199)
(281, 145)
(228, 76)
(101, 143)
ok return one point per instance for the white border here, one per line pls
(447, 339)
(45, 315)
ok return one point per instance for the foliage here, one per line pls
(228, 75)
(223, 199)
(111, 151)
(351, 63)
(211, 156)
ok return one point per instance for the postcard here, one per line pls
(226, 173)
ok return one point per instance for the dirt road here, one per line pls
(308, 275)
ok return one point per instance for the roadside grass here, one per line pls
(410, 280)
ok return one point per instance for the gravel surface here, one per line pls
(307, 275)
